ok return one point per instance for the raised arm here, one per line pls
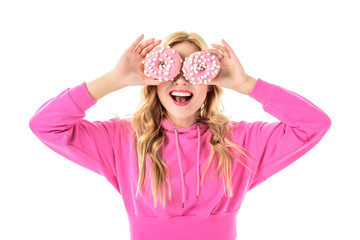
(59, 123)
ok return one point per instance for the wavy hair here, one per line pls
(149, 135)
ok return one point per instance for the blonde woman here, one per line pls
(199, 164)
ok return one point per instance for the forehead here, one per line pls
(185, 48)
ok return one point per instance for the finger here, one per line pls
(227, 46)
(140, 47)
(222, 49)
(136, 42)
(150, 47)
(216, 52)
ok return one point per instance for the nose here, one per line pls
(180, 80)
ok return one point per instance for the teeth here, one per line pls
(180, 94)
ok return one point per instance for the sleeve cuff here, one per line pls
(81, 97)
(262, 91)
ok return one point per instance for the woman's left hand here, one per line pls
(232, 74)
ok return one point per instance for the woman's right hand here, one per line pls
(129, 70)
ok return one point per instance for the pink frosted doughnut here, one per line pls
(162, 63)
(201, 67)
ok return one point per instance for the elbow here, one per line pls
(35, 125)
(326, 122)
(320, 127)
(324, 125)
(32, 125)
(322, 122)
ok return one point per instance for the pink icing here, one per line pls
(201, 67)
(162, 63)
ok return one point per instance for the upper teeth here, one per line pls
(180, 94)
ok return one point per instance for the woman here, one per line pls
(171, 147)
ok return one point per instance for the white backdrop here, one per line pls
(310, 47)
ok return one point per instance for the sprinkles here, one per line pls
(199, 69)
(164, 64)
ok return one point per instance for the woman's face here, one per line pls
(182, 116)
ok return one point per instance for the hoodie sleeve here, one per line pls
(59, 124)
(278, 144)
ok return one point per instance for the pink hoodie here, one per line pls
(195, 211)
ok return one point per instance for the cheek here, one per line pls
(161, 93)
(202, 93)
(161, 97)
(164, 98)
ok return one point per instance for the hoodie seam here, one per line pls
(97, 160)
(212, 214)
(268, 103)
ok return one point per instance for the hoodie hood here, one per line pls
(194, 131)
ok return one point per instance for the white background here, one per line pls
(309, 47)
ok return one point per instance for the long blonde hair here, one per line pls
(149, 135)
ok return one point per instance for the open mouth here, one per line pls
(181, 99)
